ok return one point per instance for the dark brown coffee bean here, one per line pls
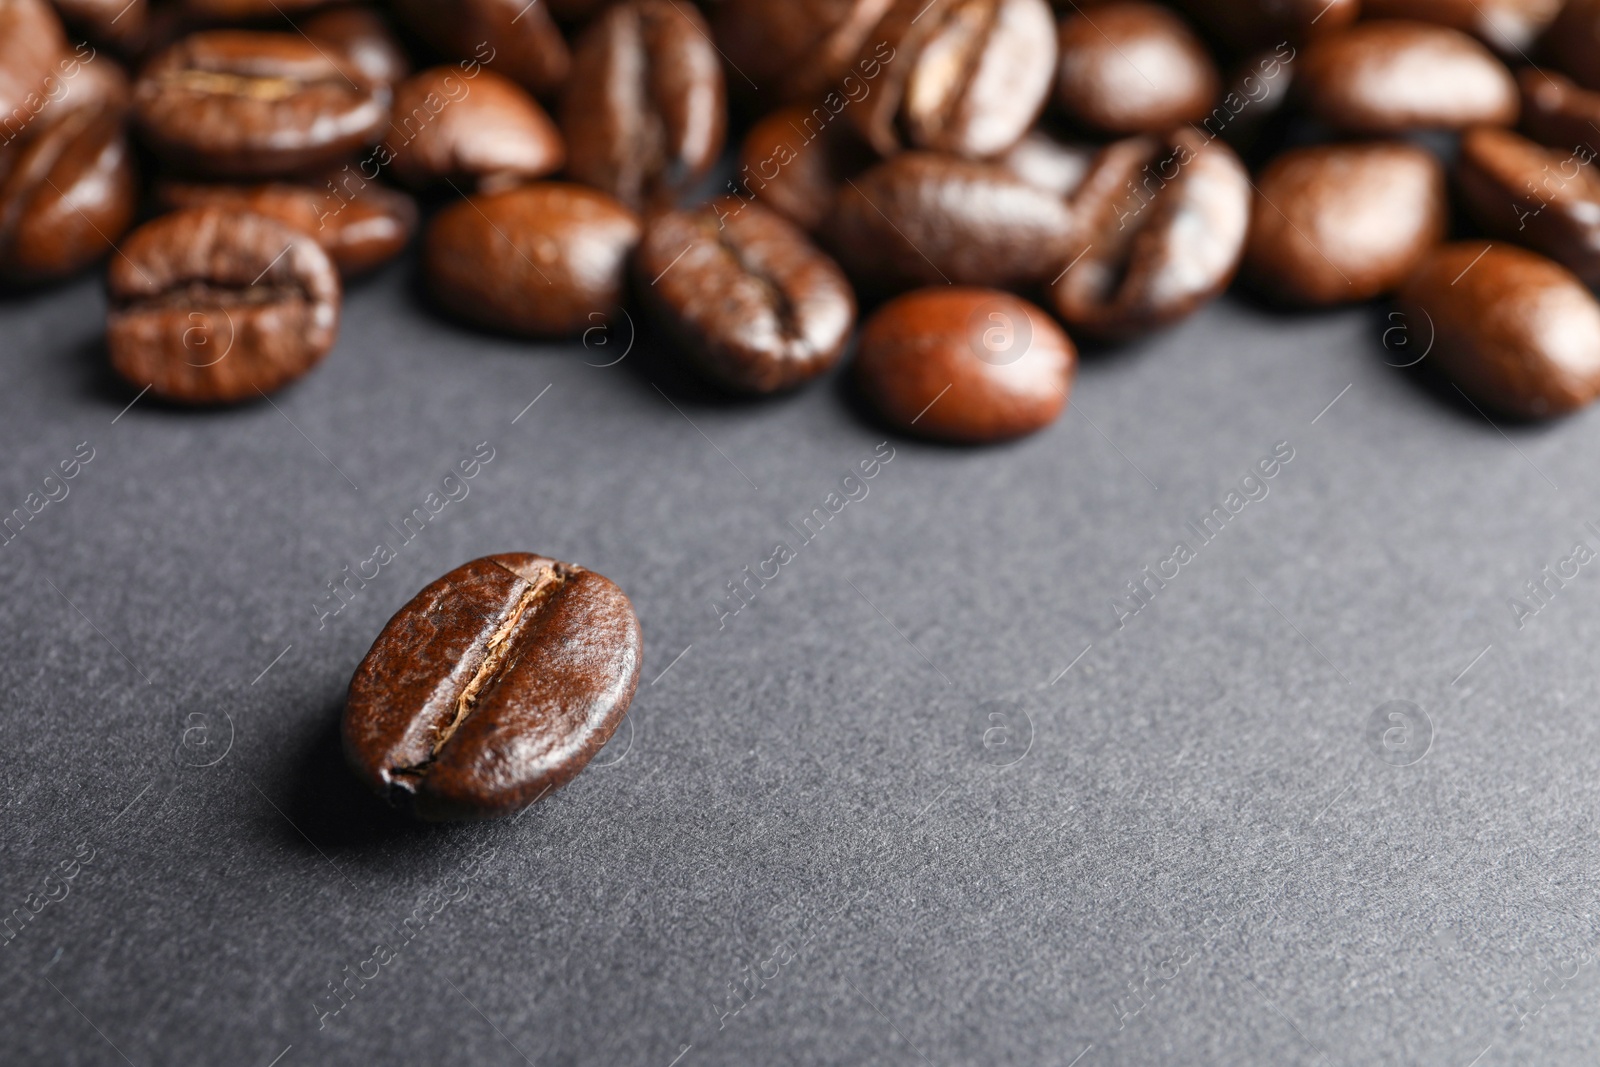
(359, 224)
(482, 133)
(494, 686)
(1042, 160)
(1394, 76)
(755, 306)
(645, 112)
(213, 306)
(547, 260)
(921, 219)
(1344, 222)
(119, 24)
(1255, 102)
(1573, 42)
(965, 365)
(1133, 67)
(513, 37)
(1510, 27)
(794, 161)
(243, 104)
(214, 11)
(1517, 333)
(1545, 198)
(1244, 26)
(1159, 228)
(1556, 111)
(364, 37)
(31, 44)
(800, 49)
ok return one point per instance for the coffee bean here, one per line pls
(1158, 230)
(482, 133)
(245, 10)
(645, 112)
(214, 306)
(359, 224)
(965, 365)
(1254, 106)
(798, 49)
(364, 37)
(31, 43)
(244, 104)
(1556, 111)
(494, 686)
(514, 37)
(119, 24)
(1043, 161)
(1510, 27)
(1133, 67)
(755, 306)
(1245, 26)
(1344, 222)
(1545, 198)
(1573, 42)
(547, 260)
(1396, 76)
(794, 161)
(922, 218)
(1517, 333)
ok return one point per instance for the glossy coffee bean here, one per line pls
(212, 306)
(645, 111)
(245, 104)
(1254, 104)
(1245, 26)
(359, 224)
(800, 49)
(1573, 42)
(1159, 228)
(1545, 198)
(795, 160)
(1558, 112)
(1510, 27)
(32, 42)
(512, 37)
(1517, 333)
(483, 132)
(1130, 66)
(494, 686)
(547, 260)
(364, 37)
(923, 219)
(1042, 160)
(965, 365)
(1344, 222)
(1395, 76)
(968, 77)
(754, 305)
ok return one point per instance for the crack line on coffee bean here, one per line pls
(696, 24)
(702, 433)
(1297, 630)
(901, 232)
(1073, 405)
(99, 631)
(498, 230)
(932, 402)
(309, 441)
(1508, 440)
(897, 630)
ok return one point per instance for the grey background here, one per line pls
(1188, 848)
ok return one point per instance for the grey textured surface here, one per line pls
(1188, 848)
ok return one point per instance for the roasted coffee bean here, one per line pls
(1253, 106)
(1344, 222)
(1042, 160)
(548, 259)
(245, 10)
(968, 77)
(755, 306)
(1245, 26)
(922, 218)
(213, 306)
(571, 11)
(513, 37)
(801, 49)
(494, 686)
(1158, 230)
(1556, 111)
(483, 133)
(794, 161)
(243, 104)
(359, 224)
(1573, 42)
(965, 365)
(364, 37)
(1545, 198)
(645, 112)
(1395, 76)
(120, 24)
(1133, 67)
(32, 43)
(1510, 27)
(1517, 333)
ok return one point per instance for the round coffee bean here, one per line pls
(1245, 26)
(1518, 334)
(800, 49)
(31, 44)
(753, 303)
(645, 112)
(922, 219)
(545, 260)
(1159, 228)
(213, 306)
(244, 104)
(363, 36)
(1573, 41)
(483, 132)
(1344, 222)
(795, 160)
(1396, 76)
(1133, 67)
(494, 686)
(516, 38)
(1556, 111)
(1510, 27)
(965, 365)
(1545, 198)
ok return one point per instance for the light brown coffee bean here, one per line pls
(482, 133)
(1545, 198)
(1130, 66)
(1049, 163)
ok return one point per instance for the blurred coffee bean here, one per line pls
(32, 43)
(1510, 27)
(1545, 198)
(968, 77)
(571, 11)
(800, 49)
(513, 37)
(1573, 42)
(119, 24)
(1396, 76)
(361, 225)
(1133, 67)
(1158, 230)
(1254, 103)
(226, 11)
(1041, 160)
(922, 218)
(245, 104)
(548, 259)
(645, 111)
(1245, 26)
(1556, 111)
(1517, 333)
(213, 306)
(794, 161)
(1344, 222)
(970, 366)
(753, 304)
(481, 132)
(365, 38)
